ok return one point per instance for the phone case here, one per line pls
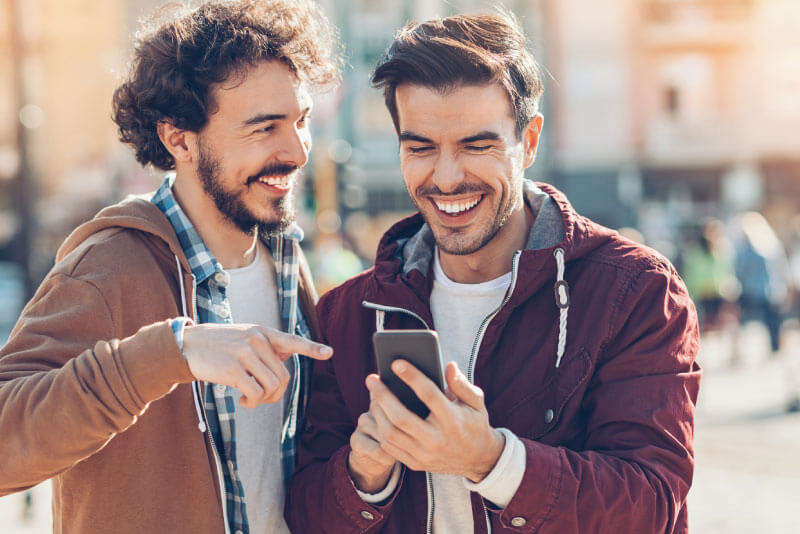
(418, 347)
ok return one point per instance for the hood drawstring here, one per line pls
(201, 424)
(562, 301)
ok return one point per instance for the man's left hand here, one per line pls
(455, 438)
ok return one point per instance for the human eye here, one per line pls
(419, 149)
(266, 129)
(478, 148)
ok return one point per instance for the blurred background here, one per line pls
(674, 121)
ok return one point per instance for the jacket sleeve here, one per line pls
(64, 391)
(322, 482)
(635, 468)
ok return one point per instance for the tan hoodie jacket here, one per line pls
(95, 393)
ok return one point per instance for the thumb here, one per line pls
(469, 394)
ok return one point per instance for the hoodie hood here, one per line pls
(136, 212)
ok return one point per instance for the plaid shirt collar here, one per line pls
(201, 260)
(212, 306)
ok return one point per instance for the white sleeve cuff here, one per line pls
(385, 493)
(502, 482)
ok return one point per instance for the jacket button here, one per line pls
(549, 415)
(367, 515)
(221, 278)
(518, 521)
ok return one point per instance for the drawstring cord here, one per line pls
(201, 424)
(562, 301)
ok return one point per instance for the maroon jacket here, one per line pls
(607, 432)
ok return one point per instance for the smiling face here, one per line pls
(251, 150)
(462, 163)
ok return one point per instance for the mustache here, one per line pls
(275, 169)
(461, 189)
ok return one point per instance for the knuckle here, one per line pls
(231, 368)
(403, 420)
(392, 435)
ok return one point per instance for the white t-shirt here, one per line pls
(253, 296)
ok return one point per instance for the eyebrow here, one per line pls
(266, 117)
(263, 117)
(485, 135)
(405, 135)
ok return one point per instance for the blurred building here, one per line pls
(688, 102)
(657, 112)
(59, 64)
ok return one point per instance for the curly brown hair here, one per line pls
(177, 64)
(474, 49)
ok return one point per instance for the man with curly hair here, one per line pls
(122, 376)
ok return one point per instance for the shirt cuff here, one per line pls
(502, 482)
(385, 493)
(177, 325)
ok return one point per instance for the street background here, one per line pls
(673, 121)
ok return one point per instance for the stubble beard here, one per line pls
(231, 205)
(460, 242)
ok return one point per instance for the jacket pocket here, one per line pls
(546, 406)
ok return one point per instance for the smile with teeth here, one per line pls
(280, 182)
(456, 207)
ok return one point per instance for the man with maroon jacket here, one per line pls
(571, 377)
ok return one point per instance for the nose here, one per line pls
(447, 172)
(296, 146)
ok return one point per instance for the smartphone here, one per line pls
(418, 347)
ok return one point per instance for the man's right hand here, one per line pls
(247, 357)
(369, 465)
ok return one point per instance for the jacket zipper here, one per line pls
(217, 460)
(291, 416)
(477, 343)
(431, 502)
(218, 463)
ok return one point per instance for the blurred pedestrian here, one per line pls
(708, 270)
(763, 273)
(114, 381)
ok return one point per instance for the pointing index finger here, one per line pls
(285, 344)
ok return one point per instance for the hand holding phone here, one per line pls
(418, 347)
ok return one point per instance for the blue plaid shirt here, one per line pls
(211, 306)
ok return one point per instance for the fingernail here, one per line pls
(325, 350)
(399, 367)
(371, 382)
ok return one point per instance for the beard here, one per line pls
(231, 204)
(461, 242)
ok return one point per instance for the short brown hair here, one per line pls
(463, 50)
(177, 64)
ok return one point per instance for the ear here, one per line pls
(530, 138)
(181, 144)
